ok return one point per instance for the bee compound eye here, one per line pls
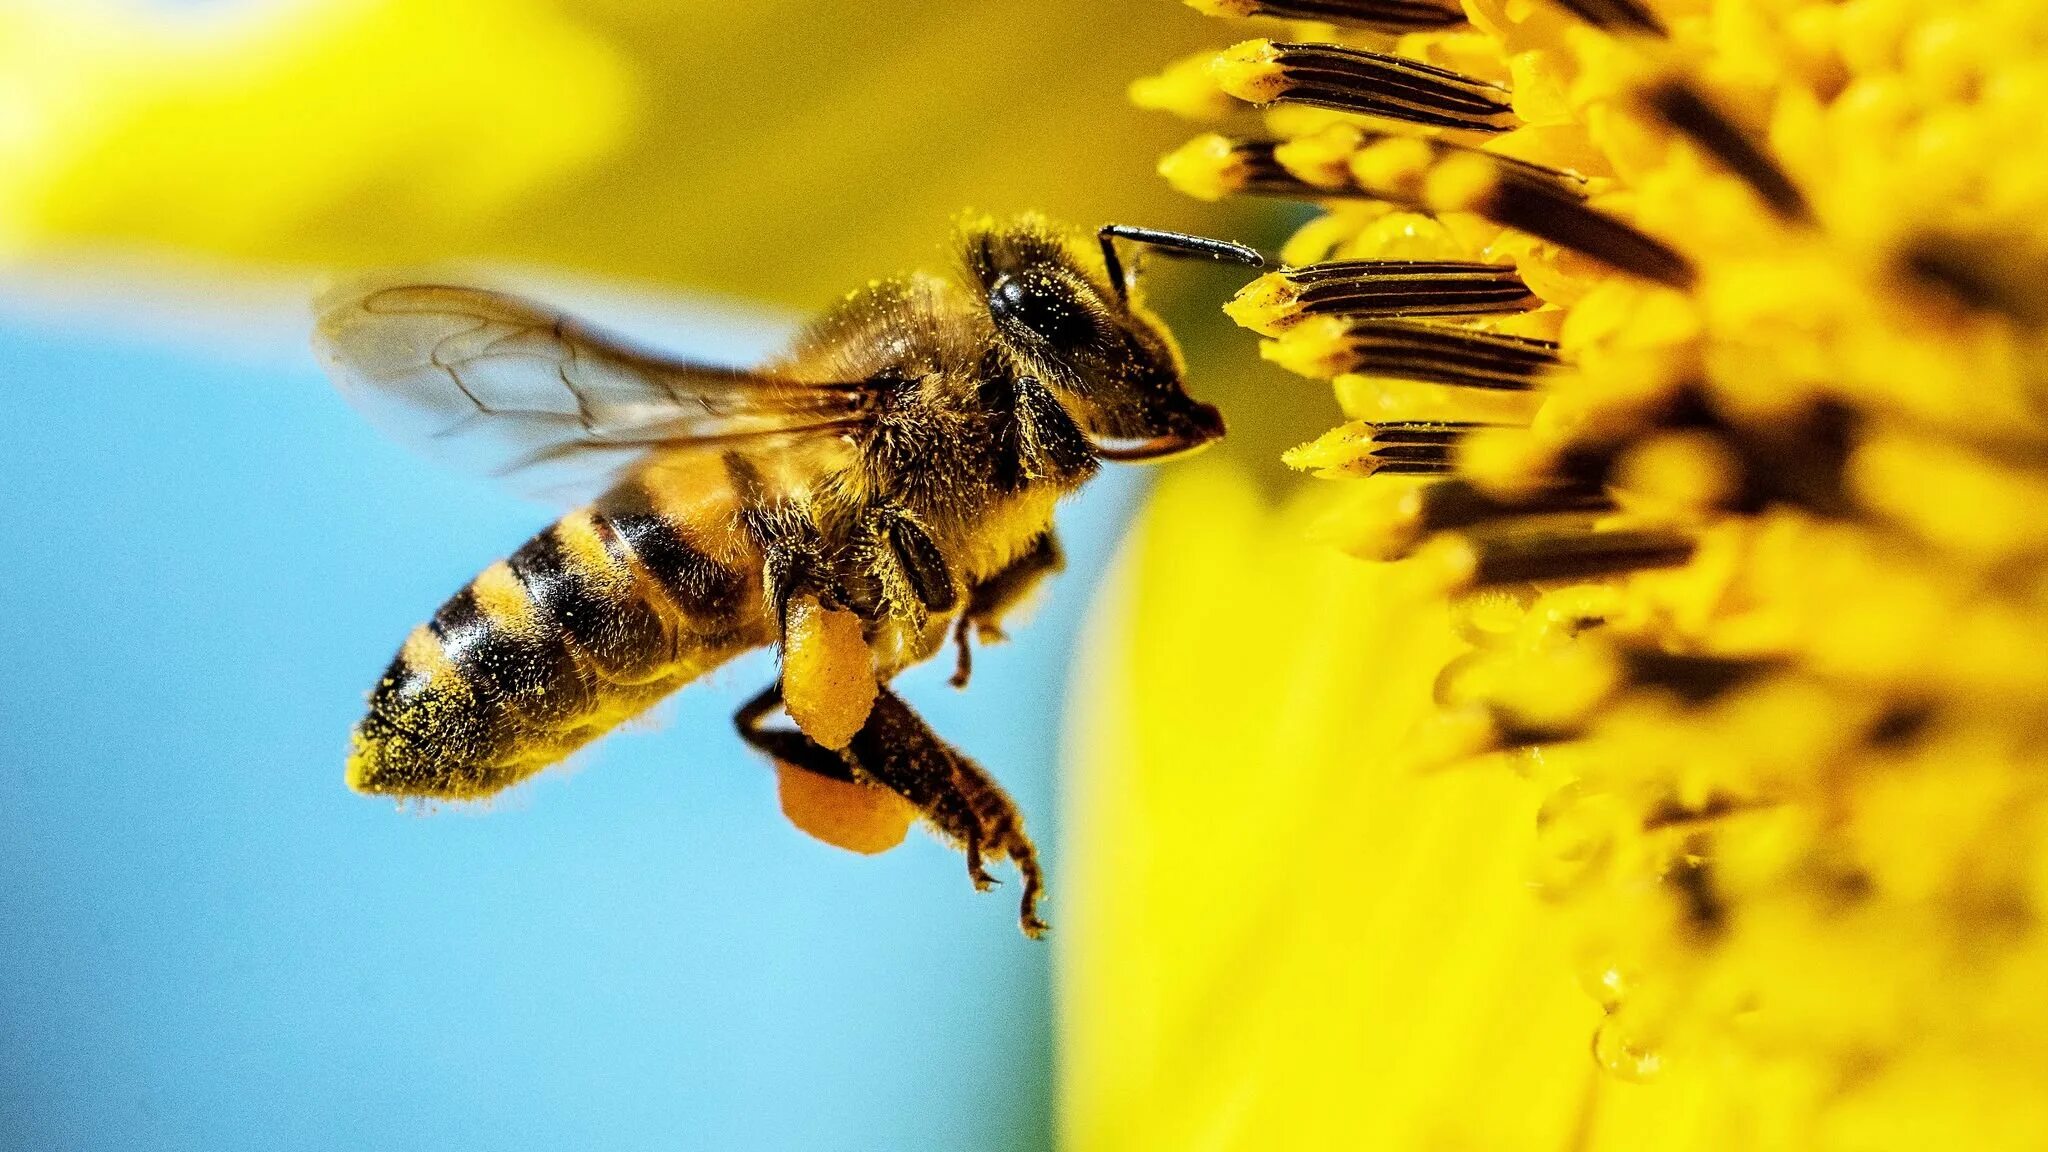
(1043, 305)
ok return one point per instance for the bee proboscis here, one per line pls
(889, 480)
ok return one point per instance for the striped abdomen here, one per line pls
(589, 623)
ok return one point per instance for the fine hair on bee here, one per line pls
(886, 483)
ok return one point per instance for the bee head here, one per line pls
(1069, 316)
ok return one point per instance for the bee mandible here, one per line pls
(889, 480)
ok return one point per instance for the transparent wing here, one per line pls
(504, 386)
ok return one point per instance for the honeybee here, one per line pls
(888, 480)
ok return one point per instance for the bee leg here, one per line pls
(788, 571)
(1045, 443)
(792, 748)
(991, 599)
(898, 750)
(920, 560)
(901, 570)
(977, 872)
(963, 664)
(792, 548)
(828, 677)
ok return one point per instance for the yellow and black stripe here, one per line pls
(590, 622)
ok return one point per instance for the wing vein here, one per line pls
(515, 389)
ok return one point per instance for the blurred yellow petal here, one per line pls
(782, 150)
(1280, 935)
(250, 134)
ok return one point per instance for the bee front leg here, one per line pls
(904, 566)
(792, 568)
(895, 573)
(992, 599)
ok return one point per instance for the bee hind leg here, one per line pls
(792, 748)
(897, 750)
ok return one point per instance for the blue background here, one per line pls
(207, 942)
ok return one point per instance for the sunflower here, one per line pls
(1692, 355)
(1675, 787)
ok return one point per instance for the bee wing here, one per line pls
(511, 388)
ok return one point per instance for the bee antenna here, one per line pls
(1172, 244)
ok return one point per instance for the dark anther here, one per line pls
(1694, 679)
(1456, 504)
(1416, 447)
(1693, 116)
(1693, 879)
(1539, 204)
(1441, 354)
(1376, 84)
(1394, 288)
(1615, 15)
(1378, 15)
(1576, 554)
(1901, 724)
(1672, 814)
(1984, 273)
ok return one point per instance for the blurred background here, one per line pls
(206, 941)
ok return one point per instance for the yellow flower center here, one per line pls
(1694, 350)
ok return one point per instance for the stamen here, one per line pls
(1186, 88)
(1901, 724)
(1412, 350)
(1391, 520)
(1530, 200)
(1398, 168)
(1693, 679)
(1386, 448)
(1415, 447)
(1340, 162)
(1799, 458)
(1458, 504)
(1615, 15)
(1692, 115)
(1278, 301)
(1533, 697)
(1684, 472)
(1463, 562)
(1383, 15)
(1674, 814)
(1210, 167)
(1983, 273)
(1322, 159)
(1368, 83)
(1513, 732)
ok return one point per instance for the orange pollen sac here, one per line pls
(828, 674)
(861, 818)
